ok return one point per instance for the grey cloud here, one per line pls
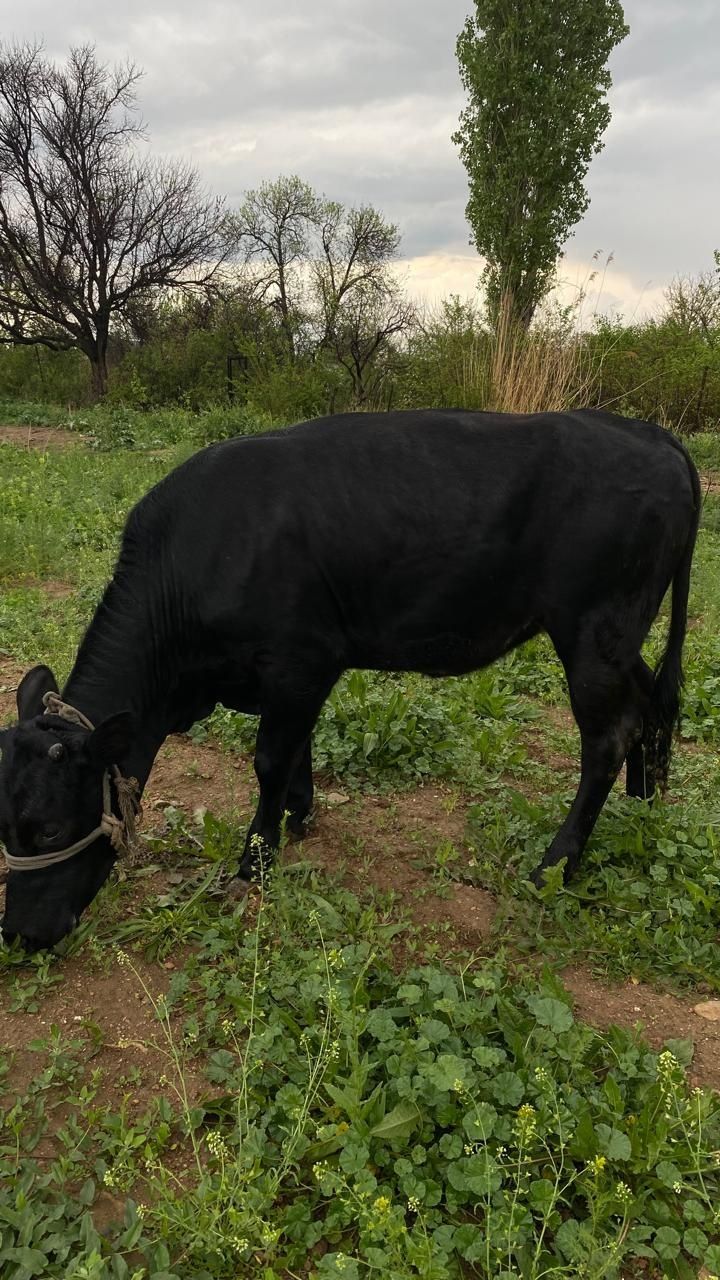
(361, 101)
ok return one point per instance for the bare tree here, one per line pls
(359, 302)
(274, 225)
(362, 334)
(325, 272)
(693, 303)
(88, 227)
(356, 247)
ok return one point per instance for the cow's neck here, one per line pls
(126, 663)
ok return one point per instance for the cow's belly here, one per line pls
(444, 653)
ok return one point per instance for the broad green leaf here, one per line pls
(551, 1013)
(480, 1122)
(541, 1194)
(613, 1144)
(695, 1242)
(668, 1173)
(339, 1266)
(574, 1240)
(488, 1057)
(447, 1072)
(33, 1260)
(508, 1089)
(667, 1243)
(683, 1050)
(712, 1259)
(398, 1123)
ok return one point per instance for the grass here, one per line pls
(360, 1120)
(112, 427)
(645, 902)
(547, 369)
(335, 1099)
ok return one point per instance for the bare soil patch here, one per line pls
(41, 438)
(53, 588)
(391, 842)
(661, 1016)
(124, 1030)
(710, 482)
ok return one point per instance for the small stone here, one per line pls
(334, 799)
(708, 1009)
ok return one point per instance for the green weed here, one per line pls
(361, 1121)
(353, 1119)
(400, 730)
(644, 902)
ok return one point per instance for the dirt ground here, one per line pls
(40, 437)
(387, 840)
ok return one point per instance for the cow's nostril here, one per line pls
(50, 832)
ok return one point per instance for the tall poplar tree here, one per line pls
(536, 76)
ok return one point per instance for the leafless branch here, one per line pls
(87, 226)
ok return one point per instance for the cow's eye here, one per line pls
(49, 832)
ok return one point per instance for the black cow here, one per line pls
(433, 541)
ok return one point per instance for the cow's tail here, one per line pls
(664, 711)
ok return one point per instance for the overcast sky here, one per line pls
(361, 101)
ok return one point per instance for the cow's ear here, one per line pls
(32, 690)
(112, 739)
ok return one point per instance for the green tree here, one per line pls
(536, 76)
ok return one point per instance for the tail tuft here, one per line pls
(664, 712)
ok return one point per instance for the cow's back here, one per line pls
(397, 534)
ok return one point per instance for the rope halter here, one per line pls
(121, 832)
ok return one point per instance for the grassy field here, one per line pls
(370, 1065)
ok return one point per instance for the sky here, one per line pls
(361, 101)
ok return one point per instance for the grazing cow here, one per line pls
(264, 567)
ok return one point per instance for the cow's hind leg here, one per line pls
(282, 759)
(607, 706)
(639, 776)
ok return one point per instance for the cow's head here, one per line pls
(51, 796)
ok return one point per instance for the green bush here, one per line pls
(400, 730)
(34, 373)
(659, 372)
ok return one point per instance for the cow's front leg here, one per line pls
(299, 802)
(283, 766)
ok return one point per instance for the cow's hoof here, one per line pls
(537, 877)
(298, 828)
(238, 888)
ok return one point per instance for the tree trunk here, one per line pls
(96, 353)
